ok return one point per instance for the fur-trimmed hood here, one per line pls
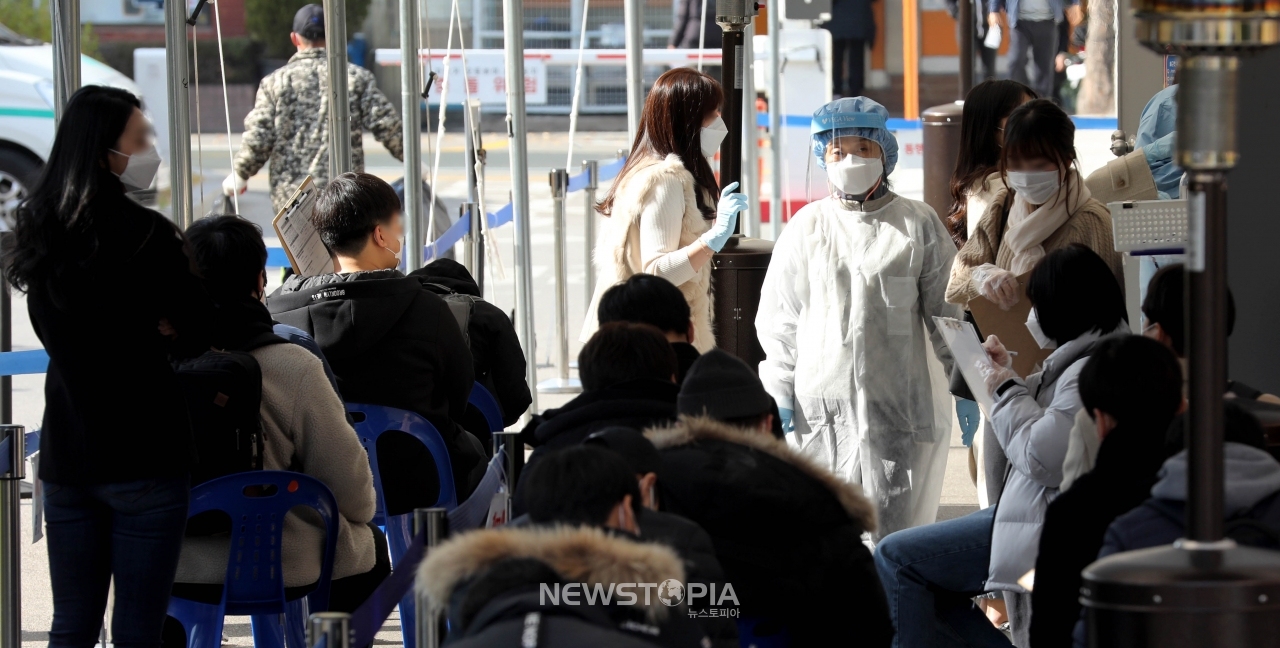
(579, 554)
(691, 429)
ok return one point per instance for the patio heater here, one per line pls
(738, 270)
(1204, 590)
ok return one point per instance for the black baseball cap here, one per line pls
(309, 22)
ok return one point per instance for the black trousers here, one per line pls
(1037, 39)
(848, 77)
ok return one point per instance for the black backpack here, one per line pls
(462, 306)
(223, 390)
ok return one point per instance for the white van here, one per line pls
(26, 109)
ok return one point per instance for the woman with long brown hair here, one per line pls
(977, 176)
(662, 215)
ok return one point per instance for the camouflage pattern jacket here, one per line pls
(288, 125)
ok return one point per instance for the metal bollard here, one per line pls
(592, 169)
(332, 626)
(435, 522)
(510, 441)
(562, 383)
(10, 537)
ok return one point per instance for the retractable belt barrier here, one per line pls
(276, 257)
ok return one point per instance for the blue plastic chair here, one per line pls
(482, 400)
(254, 582)
(371, 421)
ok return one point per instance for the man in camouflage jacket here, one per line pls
(288, 125)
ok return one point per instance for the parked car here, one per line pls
(26, 112)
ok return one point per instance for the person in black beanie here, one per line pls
(804, 570)
(722, 387)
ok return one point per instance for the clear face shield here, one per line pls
(854, 164)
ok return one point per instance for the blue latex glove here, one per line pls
(788, 424)
(1160, 150)
(726, 218)
(967, 411)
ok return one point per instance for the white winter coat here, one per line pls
(1032, 422)
(655, 219)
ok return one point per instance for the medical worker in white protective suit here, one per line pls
(846, 321)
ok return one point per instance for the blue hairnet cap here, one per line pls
(858, 116)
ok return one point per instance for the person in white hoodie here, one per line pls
(304, 427)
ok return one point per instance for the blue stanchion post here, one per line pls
(14, 437)
(433, 523)
(329, 630)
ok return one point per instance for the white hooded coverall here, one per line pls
(846, 304)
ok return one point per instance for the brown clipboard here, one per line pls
(1011, 327)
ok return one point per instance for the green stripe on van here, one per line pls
(26, 112)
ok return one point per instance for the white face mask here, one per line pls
(1033, 325)
(141, 169)
(1036, 187)
(712, 136)
(398, 252)
(855, 175)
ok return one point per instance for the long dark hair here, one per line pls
(1039, 128)
(678, 103)
(987, 103)
(54, 226)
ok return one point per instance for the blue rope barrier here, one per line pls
(895, 124)
(16, 363)
(369, 617)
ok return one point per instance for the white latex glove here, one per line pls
(997, 352)
(997, 368)
(234, 184)
(996, 284)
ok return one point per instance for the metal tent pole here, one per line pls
(66, 54)
(776, 211)
(633, 18)
(335, 38)
(410, 102)
(513, 35)
(751, 135)
(175, 46)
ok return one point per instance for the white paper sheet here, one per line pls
(299, 237)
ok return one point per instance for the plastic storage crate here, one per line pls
(1142, 227)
